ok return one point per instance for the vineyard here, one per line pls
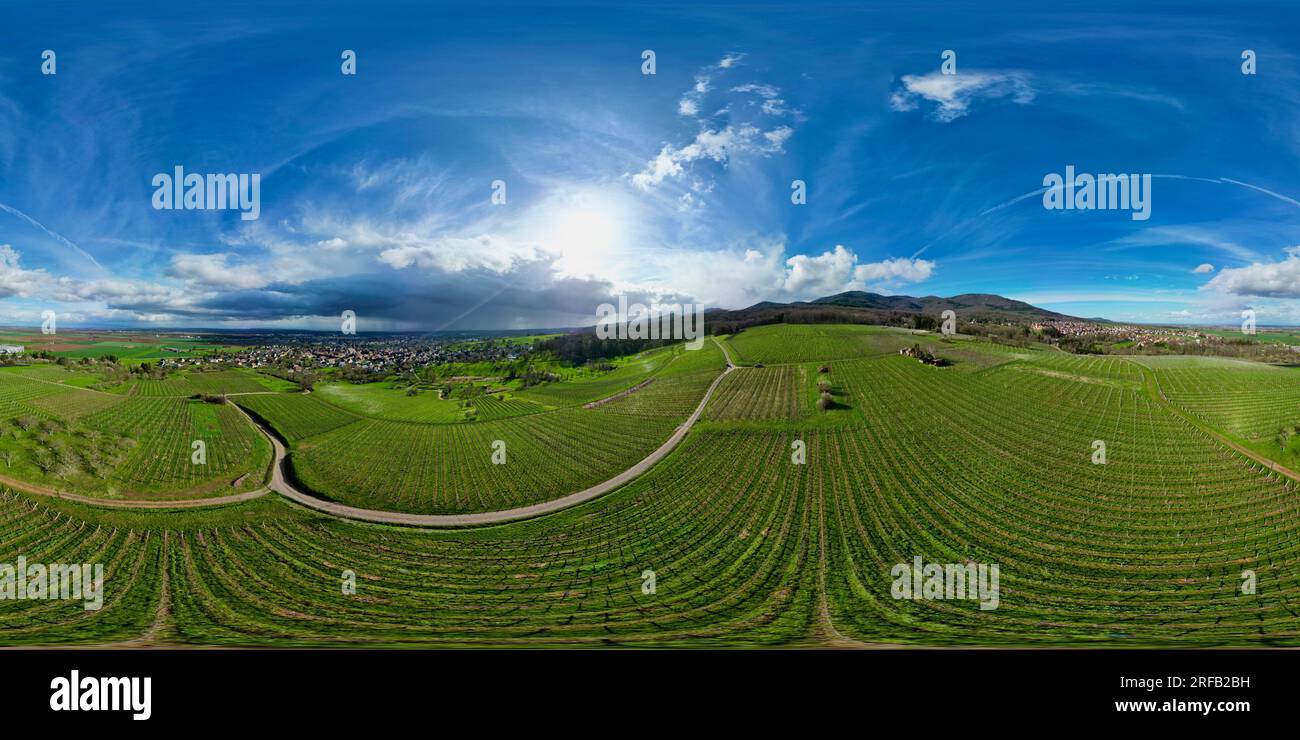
(296, 416)
(728, 563)
(793, 343)
(388, 401)
(1245, 399)
(774, 523)
(633, 371)
(501, 458)
(56, 435)
(19, 394)
(449, 468)
(784, 393)
(394, 402)
(165, 430)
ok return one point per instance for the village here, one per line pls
(368, 355)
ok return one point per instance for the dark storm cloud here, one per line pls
(410, 299)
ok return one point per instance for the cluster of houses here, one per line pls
(1140, 335)
(377, 355)
(11, 349)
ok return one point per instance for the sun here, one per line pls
(585, 234)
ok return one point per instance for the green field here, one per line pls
(1256, 405)
(393, 401)
(138, 443)
(1280, 335)
(433, 466)
(787, 343)
(584, 389)
(991, 460)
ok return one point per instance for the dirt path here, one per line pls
(192, 503)
(725, 353)
(71, 387)
(621, 394)
(281, 486)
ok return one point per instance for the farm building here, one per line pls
(11, 349)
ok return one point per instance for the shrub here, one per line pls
(825, 402)
(824, 369)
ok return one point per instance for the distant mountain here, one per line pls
(861, 307)
(971, 304)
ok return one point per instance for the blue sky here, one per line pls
(376, 188)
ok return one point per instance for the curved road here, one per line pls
(281, 486)
(284, 488)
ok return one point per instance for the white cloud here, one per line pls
(731, 60)
(764, 91)
(17, 282)
(762, 270)
(838, 270)
(455, 254)
(14, 280)
(1204, 267)
(953, 94)
(215, 270)
(895, 270)
(777, 137)
(745, 121)
(1261, 279)
(754, 273)
(820, 275)
(775, 107)
(718, 145)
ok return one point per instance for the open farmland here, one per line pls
(165, 431)
(749, 549)
(784, 392)
(391, 401)
(449, 468)
(628, 374)
(792, 343)
(128, 347)
(991, 460)
(130, 445)
(296, 416)
(1256, 405)
(1246, 399)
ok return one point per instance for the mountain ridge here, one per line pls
(863, 307)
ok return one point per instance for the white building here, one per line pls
(11, 349)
